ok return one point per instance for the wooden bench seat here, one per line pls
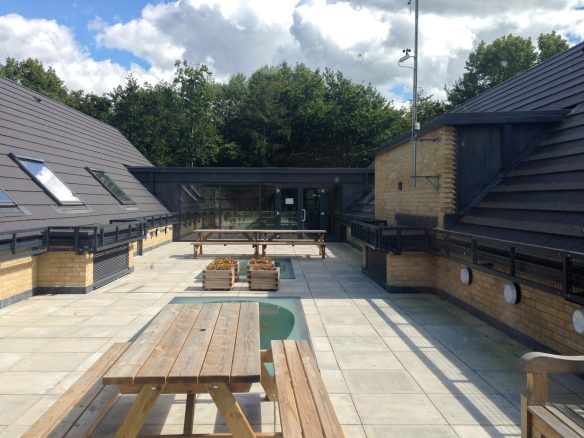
(539, 417)
(305, 407)
(82, 407)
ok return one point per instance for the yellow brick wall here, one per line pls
(395, 166)
(164, 236)
(544, 317)
(131, 250)
(17, 276)
(65, 269)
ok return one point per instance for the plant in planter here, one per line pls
(228, 261)
(219, 276)
(263, 276)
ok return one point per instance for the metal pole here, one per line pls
(415, 93)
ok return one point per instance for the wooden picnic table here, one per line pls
(259, 238)
(209, 348)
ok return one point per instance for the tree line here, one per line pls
(280, 115)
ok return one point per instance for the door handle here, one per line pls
(303, 218)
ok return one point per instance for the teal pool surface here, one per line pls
(285, 264)
(280, 318)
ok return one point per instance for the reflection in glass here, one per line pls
(111, 186)
(49, 181)
(4, 199)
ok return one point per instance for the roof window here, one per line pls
(47, 180)
(110, 185)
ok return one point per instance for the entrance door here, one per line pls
(311, 209)
(290, 215)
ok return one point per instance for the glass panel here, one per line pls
(46, 178)
(239, 207)
(289, 204)
(268, 207)
(312, 207)
(112, 187)
(5, 201)
(201, 202)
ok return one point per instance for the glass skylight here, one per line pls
(5, 201)
(44, 177)
(111, 186)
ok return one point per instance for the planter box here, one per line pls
(219, 280)
(263, 280)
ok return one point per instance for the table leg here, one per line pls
(189, 414)
(264, 248)
(139, 411)
(231, 411)
(268, 384)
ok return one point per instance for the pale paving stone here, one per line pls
(437, 382)
(50, 362)
(321, 343)
(326, 360)
(515, 382)
(487, 409)
(23, 345)
(410, 431)
(36, 410)
(353, 431)
(13, 431)
(487, 431)
(358, 343)
(74, 345)
(8, 360)
(380, 382)
(345, 409)
(29, 382)
(396, 409)
(399, 343)
(349, 330)
(59, 321)
(13, 406)
(334, 381)
(383, 360)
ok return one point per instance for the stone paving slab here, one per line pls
(404, 365)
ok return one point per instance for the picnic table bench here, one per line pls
(258, 238)
(539, 417)
(303, 401)
(80, 409)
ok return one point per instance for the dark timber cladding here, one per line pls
(34, 126)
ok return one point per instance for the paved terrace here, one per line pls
(395, 365)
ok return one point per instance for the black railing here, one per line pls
(555, 271)
(79, 239)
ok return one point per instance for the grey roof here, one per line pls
(557, 83)
(33, 125)
(540, 201)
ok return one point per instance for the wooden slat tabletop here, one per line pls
(194, 343)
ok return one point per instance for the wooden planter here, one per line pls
(219, 280)
(263, 280)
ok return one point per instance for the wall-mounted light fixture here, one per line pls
(511, 293)
(578, 320)
(466, 275)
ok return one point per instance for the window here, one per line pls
(5, 201)
(111, 186)
(49, 182)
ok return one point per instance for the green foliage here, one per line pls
(32, 74)
(491, 64)
(550, 45)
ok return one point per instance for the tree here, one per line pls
(491, 64)
(32, 74)
(550, 45)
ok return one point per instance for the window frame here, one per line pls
(8, 202)
(19, 160)
(92, 171)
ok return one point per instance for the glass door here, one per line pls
(290, 214)
(311, 209)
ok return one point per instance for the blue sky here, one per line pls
(93, 45)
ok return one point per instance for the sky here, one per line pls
(94, 44)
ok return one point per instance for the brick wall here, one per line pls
(65, 269)
(543, 317)
(164, 236)
(395, 166)
(18, 276)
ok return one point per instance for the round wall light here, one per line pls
(511, 293)
(578, 320)
(158, 231)
(466, 276)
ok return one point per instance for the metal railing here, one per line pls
(91, 238)
(554, 271)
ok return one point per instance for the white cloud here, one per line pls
(362, 38)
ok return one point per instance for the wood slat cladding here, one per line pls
(541, 200)
(33, 125)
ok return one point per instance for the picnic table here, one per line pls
(259, 238)
(187, 349)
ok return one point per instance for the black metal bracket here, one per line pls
(433, 180)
